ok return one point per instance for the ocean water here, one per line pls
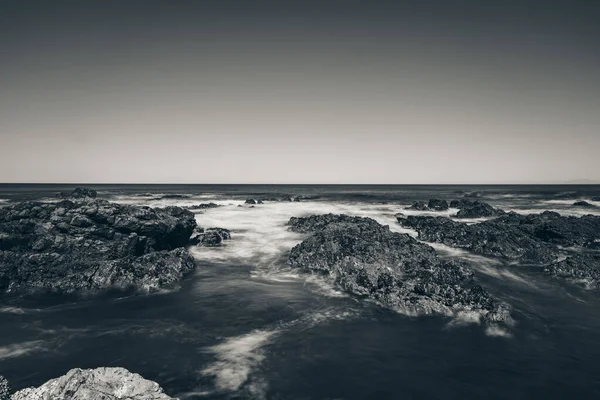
(246, 326)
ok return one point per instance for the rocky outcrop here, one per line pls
(437, 205)
(583, 204)
(210, 237)
(366, 259)
(583, 269)
(202, 206)
(4, 389)
(253, 201)
(474, 209)
(528, 238)
(92, 245)
(79, 193)
(95, 384)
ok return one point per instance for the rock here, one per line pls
(4, 389)
(529, 238)
(474, 209)
(79, 193)
(419, 206)
(102, 383)
(92, 245)
(595, 198)
(583, 204)
(582, 268)
(253, 201)
(173, 196)
(210, 237)
(203, 206)
(438, 205)
(367, 260)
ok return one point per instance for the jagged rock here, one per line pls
(4, 389)
(530, 238)
(583, 204)
(419, 206)
(92, 245)
(438, 205)
(95, 384)
(474, 209)
(581, 268)
(79, 193)
(366, 259)
(210, 237)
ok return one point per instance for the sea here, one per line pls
(245, 325)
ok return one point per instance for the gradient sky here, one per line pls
(299, 92)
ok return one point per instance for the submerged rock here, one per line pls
(583, 204)
(253, 201)
(79, 193)
(203, 206)
(475, 209)
(582, 268)
(92, 245)
(367, 260)
(419, 206)
(95, 384)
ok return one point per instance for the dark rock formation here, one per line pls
(529, 238)
(595, 198)
(253, 201)
(582, 268)
(102, 383)
(419, 206)
(79, 193)
(174, 196)
(4, 389)
(438, 205)
(210, 237)
(202, 206)
(474, 209)
(583, 204)
(366, 259)
(91, 245)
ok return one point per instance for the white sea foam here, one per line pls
(496, 331)
(20, 349)
(236, 358)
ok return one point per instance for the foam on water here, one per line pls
(20, 349)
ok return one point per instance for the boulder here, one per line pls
(419, 206)
(367, 260)
(94, 384)
(474, 209)
(583, 204)
(203, 206)
(253, 201)
(92, 245)
(210, 237)
(438, 205)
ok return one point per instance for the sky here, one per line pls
(324, 92)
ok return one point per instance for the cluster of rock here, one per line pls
(253, 201)
(202, 206)
(533, 239)
(367, 260)
(583, 204)
(79, 193)
(209, 237)
(467, 208)
(87, 244)
(4, 389)
(100, 383)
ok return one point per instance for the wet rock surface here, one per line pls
(530, 238)
(583, 204)
(79, 193)
(367, 260)
(92, 245)
(475, 209)
(95, 384)
(210, 237)
(203, 206)
(582, 269)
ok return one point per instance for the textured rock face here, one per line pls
(419, 206)
(438, 205)
(475, 209)
(528, 238)
(583, 269)
(366, 259)
(95, 384)
(4, 389)
(91, 245)
(210, 237)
